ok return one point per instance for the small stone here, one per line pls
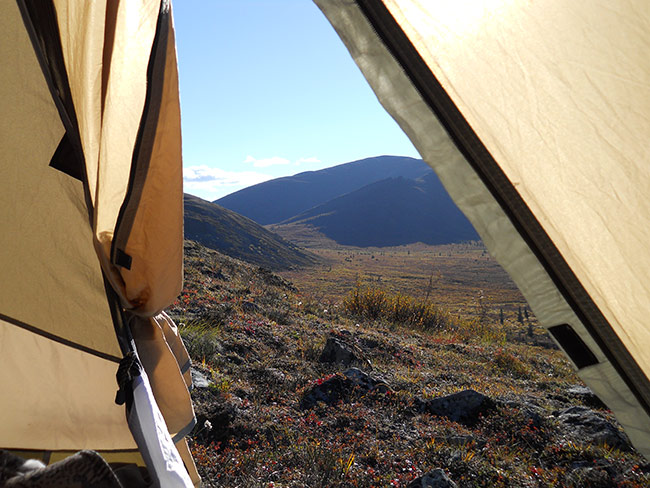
(341, 386)
(433, 479)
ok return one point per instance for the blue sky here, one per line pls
(269, 90)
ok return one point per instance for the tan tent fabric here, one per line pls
(56, 397)
(175, 343)
(560, 98)
(112, 105)
(48, 266)
(163, 370)
(186, 455)
(548, 95)
(155, 277)
(107, 48)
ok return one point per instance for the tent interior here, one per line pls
(534, 121)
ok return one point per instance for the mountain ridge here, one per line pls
(389, 212)
(237, 236)
(279, 199)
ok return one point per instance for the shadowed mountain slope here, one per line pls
(282, 198)
(232, 234)
(390, 212)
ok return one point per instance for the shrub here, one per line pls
(375, 304)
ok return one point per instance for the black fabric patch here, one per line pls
(573, 345)
(65, 159)
(123, 259)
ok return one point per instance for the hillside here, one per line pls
(282, 198)
(235, 235)
(390, 212)
(291, 391)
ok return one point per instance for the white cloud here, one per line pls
(266, 162)
(210, 182)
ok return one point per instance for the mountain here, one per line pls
(282, 198)
(237, 236)
(390, 212)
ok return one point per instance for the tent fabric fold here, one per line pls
(522, 110)
(78, 94)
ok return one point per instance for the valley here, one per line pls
(455, 276)
(295, 388)
(347, 328)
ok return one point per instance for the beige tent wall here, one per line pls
(48, 268)
(524, 132)
(57, 397)
(106, 48)
(57, 338)
(129, 125)
(559, 93)
(155, 240)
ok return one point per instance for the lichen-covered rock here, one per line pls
(199, 380)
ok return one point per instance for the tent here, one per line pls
(535, 116)
(91, 243)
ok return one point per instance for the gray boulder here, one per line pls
(583, 425)
(464, 407)
(433, 479)
(366, 382)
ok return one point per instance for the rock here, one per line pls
(338, 351)
(584, 425)
(365, 381)
(341, 386)
(199, 380)
(329, 391)
(586, 396)
(433, 479)
(463, 407)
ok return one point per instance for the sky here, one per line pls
(268, 90)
